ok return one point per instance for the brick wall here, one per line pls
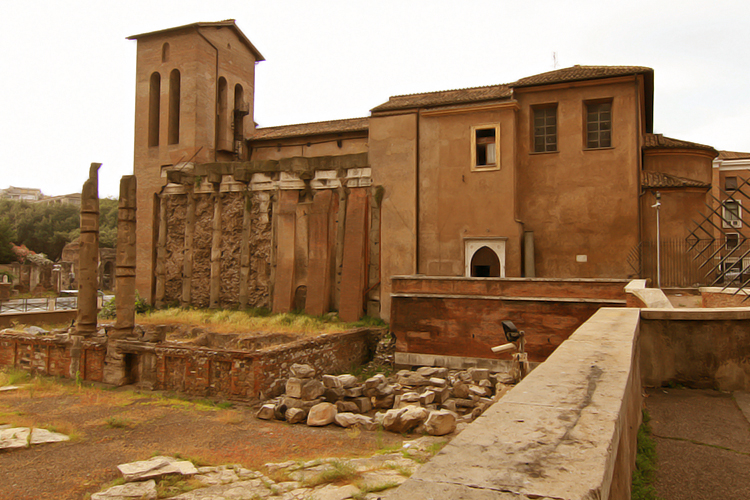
(50, 356)
(461, 317)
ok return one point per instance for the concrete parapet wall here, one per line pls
(696, 347)
(567, 431)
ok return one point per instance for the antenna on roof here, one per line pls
(554, 60)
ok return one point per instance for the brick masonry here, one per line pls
(197, 371)
(50, 356)
(461, 317)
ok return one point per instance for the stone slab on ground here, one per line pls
(156, 467)
(132, 491)
(14, 437)
(9, 388)
(42, 436)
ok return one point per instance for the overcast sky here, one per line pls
(68, 73)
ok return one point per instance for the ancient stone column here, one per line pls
(187, 260)
(115, 371)
(125, 258)
(161, 254)
(245, 250)
(215, 280)
(88, 267)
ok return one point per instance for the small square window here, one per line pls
(730, 183)
(599, 125)
(545, 129)
(485, 148)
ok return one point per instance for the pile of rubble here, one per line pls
(431, 400)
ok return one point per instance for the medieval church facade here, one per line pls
(551, 176)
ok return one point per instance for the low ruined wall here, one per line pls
(696, 347)
(462, 317)
(567, 431)
(50, 356)
(236, 374)
(38, 318)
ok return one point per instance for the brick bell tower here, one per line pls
(195, 89)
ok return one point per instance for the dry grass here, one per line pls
(227, 321)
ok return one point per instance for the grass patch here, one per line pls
(404, 471)
(197, 461)
(13, 376)
(435, 447)
(339, 472)
(645, 464)
(169, 486)
(117, 423)
(251, 320)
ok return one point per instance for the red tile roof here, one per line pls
(314, 128)
(446, 97)
(228, 23)
(577, 73)
(658, 141)
(650, 179)
(733, 155)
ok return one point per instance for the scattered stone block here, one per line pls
(460, 390)
(364, 405)
(332, 381)
(145, 490)
(302, 371)
(438, 382)
(332, 492)
(321, 414)
(440, 423)
(478, 374)
(384, 402)
(347, 406)
(348, 381)
(353, 392)
(347, 419)
(294, 387)
(295, 415)
(404, 419)
(413, 379)
(480, 391)
(375, 381)
(333, 394)
(426, 398)
(312, 389)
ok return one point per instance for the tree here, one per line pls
(7, 235)
(48, 228)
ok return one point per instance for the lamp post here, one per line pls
(658, 240)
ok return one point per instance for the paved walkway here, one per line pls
(703, 443)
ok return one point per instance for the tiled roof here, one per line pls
(576, 73)
(658, 141)
(445, 97)
(228, 23)
(505, 91)
(733, 155)
(315, 128)
(650, 179)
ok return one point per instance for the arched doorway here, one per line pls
(484, 257)
(485, 264)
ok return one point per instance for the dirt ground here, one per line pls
(111, 427)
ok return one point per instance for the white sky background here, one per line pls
(67, 73)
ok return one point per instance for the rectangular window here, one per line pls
(733, 240)
(545, 129)
(730, 183)
(485, 148)
(599, 125)
(731, 214)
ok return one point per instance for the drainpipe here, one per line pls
(216, 91)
